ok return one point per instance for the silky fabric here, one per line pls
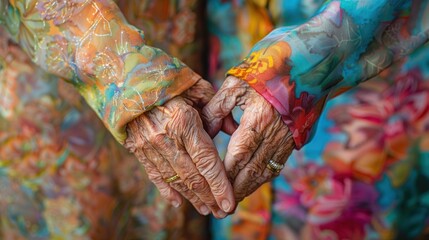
(362, 176)
(62, 173)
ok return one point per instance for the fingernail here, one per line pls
(176, 204)
(204, 210)
(221, 214)
(226, 205)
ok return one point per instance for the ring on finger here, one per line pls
(172, 179)
(274, 166)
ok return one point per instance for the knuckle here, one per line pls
(154, 177)
(192, 198)
(215, 182)
(207, 112)
(180, 124)
(240, 157)
(188, 112)
(205, 163)
(240, 164)
(218, 185)
(219, 188)
(250, 138)
(156, 138)
(239, 152)
(252, 171)
(196, 183)
(237, 167)
(192, 111)
(179, 187)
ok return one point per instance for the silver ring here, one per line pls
(274, 166)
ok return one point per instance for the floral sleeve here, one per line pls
(298, 68)
(90, 44)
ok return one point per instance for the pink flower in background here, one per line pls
(380, 127)
(326, 200)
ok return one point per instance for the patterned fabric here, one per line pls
(62, 175)
(176, 27)
(297, 68)
(90, 44)
(363, 174)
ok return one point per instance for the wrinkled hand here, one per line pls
(170, 140)
(261, 135)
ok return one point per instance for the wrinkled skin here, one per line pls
(261, 135)
(170, 139)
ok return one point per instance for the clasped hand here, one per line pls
(181, 160)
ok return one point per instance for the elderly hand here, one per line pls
(261, 144)
(179, 156)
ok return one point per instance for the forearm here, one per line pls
(298, 69)
(90, 44)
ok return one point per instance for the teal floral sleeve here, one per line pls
(90, 44)
(347, 42)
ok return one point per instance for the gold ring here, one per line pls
(172, 179)
(275, 167)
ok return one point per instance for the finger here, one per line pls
(200, 93)
(189, 175)
(196, 183)
(203, 153)
(249, 177)
(167, 171)
(165, 189)
(134, 144)
(268, 175)
(243, 144)
(199, 205)
(229, 125)
(221, 105)
(256, 173)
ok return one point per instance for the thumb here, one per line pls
(199, 94)
(221, 105)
